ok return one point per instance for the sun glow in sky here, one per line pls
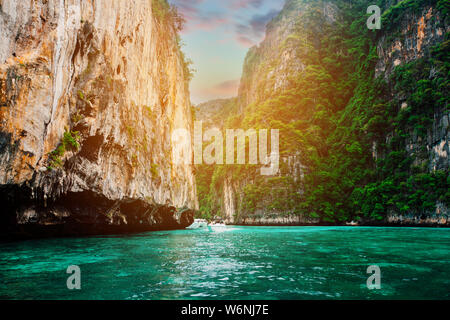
(217, 36)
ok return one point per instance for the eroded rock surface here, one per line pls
(267, 71)
(90, 93)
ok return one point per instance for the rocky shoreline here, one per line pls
(83, 214)
(437, 221)
(135, 216)
(372, 224)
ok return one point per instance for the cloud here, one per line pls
(188, 8)
(259, 22)
(209, 22)
(240, 4)
(230, 27)
(199, 17)
(253, 30)
(210, 14)
(226, 89)
(245, 41)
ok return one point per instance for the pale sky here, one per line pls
(217, 35)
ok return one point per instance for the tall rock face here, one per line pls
(409, 44)
(270, 67)
(90, 92)
(416, 34)
(263, 74)
(410, 32)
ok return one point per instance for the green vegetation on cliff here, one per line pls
(70, 141)
(335, 116)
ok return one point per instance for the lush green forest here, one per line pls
(333, 115)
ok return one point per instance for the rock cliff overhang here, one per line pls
(25, 215)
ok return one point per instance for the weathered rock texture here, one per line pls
(111, 72)
(269, 67)
(416, 35)
(267, 70)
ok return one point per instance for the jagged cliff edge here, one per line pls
(90, 92)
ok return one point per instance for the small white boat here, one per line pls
(217, 225)
(198, 224)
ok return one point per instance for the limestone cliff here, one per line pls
(269, 69)
(413, 37)
(90, 94)
(413, 29)
(270, 66)
(416, 33)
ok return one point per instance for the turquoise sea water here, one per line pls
(235, 263)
